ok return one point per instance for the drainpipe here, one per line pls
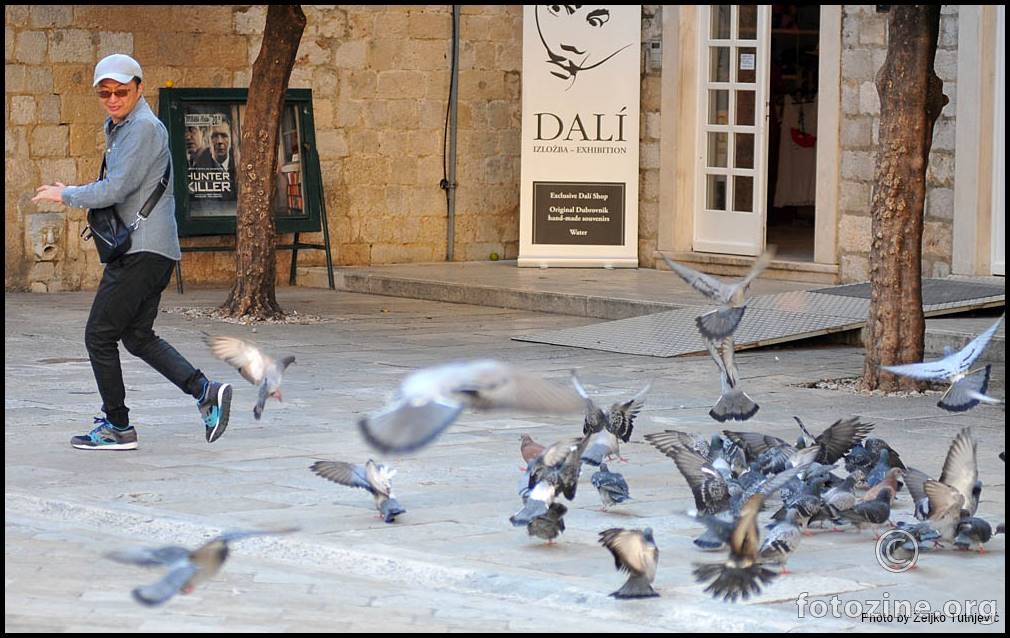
(449, 181)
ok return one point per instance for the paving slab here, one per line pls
(452, 562)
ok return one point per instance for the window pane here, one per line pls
(719, 71)
(720, 21)
(745, 108)
(743, 194)
(718, 107)
(746, 64)
(717, 149)
(744, 152)
(716, 192)
(747, 22)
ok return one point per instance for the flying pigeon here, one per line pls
(721, 322)
(187, 568)
(430, 399)
(965, 385)
(612, 487)
(635, 552)
(609, 428)
(743, 574)
(374, 477)
(733, 403)
(254, 365)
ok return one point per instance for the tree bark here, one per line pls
(911, 98)
(254, 292)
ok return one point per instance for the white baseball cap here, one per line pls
(119, 67)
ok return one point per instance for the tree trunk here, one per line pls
(911, 98)
(254, 293)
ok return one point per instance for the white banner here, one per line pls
(580, 110)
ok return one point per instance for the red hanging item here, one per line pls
(805, 140)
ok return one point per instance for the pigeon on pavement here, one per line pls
(888, 483)
(635, 552)
(550, 525)
(430, 399)
(187, 568)
(965, 385)
(612, 487)
(873, 513)
(781, 541)
(838, 438)
(972, 533)
(960, 473)
(529, 449)
(374, 477)
(555, 471)
(254, 365)
(709, 487)
(723, 321)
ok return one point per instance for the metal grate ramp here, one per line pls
(769, 319)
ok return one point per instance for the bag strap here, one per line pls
(145, 210)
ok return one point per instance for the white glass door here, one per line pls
(733, 120)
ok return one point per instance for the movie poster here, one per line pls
(211, 134)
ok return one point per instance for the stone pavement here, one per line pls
(452, 562)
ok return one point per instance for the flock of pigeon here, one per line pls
(732, 474)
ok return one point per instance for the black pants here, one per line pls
(124, 309)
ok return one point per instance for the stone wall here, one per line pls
(380, 80)
(864, 46)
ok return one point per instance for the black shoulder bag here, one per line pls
(106, 227)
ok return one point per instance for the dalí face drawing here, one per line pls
(580, 37)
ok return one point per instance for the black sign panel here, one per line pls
(582, 213)
(205, 131)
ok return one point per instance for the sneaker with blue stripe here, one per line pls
(215, 407)
(106, 436)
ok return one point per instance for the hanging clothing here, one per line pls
(797, 171)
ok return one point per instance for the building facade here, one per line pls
(719, 176)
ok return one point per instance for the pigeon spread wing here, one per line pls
(504, 387)
(960, 468)
(150, 556)
(705, 284)
(950, 366)
(158, 592)
(245, 357)
(344, 473)
(406, 426)
(623, 414)
(840, 437)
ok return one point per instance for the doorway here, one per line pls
(792, 130)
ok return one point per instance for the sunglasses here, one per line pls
(120, 93)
